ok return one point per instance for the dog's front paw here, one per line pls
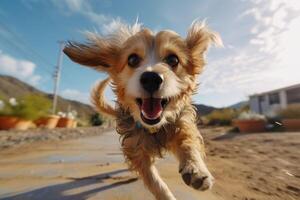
(196, 176)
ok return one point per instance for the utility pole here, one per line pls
(56, 76)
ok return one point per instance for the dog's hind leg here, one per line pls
(155, 184)
(141, 162)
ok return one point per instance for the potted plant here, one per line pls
(250, 122)
(19, 113)
(49, 121)
(291, 117)
(8, 118)
(67, 120)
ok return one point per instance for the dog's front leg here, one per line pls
(188, 147)
(140, 161)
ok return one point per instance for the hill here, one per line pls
(204, 109)
(239, 105)
(12, 87)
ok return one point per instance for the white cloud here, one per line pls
(262, 42)
(84, 8)
(269, 60)
(76, 5)
(76, 95)
(22, 69)
(84, 97)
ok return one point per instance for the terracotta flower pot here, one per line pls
(47, 122)
(9, 122)
(65, 123)
(291, 124)
(250, 126)
(23, 124)
(74, 125)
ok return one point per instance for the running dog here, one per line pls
(153, 76)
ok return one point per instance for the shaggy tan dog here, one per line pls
(153, 77)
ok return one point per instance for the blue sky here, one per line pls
(260, 41)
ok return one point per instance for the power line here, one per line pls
(23, 43)
(32, 54)
(26, 44)
(25, 53)
(22, 51)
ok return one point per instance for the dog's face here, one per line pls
(153, 74)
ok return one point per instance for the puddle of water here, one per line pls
(86, 157)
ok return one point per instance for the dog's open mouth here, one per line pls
(151, 109)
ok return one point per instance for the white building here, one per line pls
(268, 103)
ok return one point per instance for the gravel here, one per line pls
(13, 138)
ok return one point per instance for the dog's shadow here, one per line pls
(58, 191)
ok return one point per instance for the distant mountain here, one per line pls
(239, 105)
(12, 87)
(204, 109)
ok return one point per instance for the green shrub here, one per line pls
(245, 108)
(290, 112)
(221, 117)
(4, 108)
(249, 115)
(96, 120)
(83, 122)
(29, 107)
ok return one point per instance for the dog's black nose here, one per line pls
(151, 81)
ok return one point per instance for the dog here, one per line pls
(153, 76)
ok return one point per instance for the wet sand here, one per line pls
(252, 166)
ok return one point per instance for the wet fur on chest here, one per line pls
(141, 139)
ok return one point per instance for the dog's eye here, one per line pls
(134, 60)
(172, 60)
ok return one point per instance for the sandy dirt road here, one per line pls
(246, 166)
(88, 168)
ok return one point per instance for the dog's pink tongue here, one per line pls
(151, 108)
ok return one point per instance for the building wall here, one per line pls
(283, 99)
(265, 104)
(293, 96)
(254, 104)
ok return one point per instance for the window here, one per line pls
(274, 98)
(293, 95)
(261, 101)
(261, 98)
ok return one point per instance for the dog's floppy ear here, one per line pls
(97, 53)
(198, 40)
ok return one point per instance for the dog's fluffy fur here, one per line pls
(176, 130)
